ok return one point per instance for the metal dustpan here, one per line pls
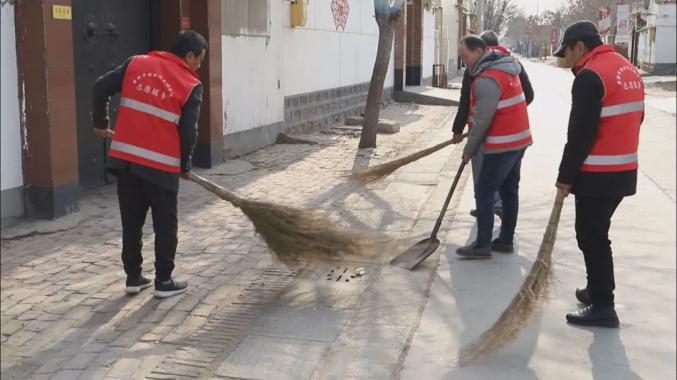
(424, 248)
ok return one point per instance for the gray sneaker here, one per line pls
(135, 285)
(474, 251)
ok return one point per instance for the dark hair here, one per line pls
(473, 42)
(188, 41)
(490, 37)
(589, 42)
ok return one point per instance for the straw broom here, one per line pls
(531, 294)
(294, 234)
(377, 172)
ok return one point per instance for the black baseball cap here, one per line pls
(579, 30)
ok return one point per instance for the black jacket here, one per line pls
(110, 84)
(464, 103)
(586, 96)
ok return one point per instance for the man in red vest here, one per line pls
(499, 127)
(461, 119)
(153, 143)
(599, 164)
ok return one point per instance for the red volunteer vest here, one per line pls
(154, 90)
(615, 148)
(510, 125)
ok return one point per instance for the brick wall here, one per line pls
(311, 111)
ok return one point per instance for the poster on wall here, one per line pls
(623, 24)
(340, 10)
(604, 20)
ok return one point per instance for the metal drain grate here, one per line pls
(200, 353)
(346, 274)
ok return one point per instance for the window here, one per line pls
(245, 17)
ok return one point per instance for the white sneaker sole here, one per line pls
(137, 289)
(169, 293)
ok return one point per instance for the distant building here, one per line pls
(654, 45)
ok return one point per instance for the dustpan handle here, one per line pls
(438, 224)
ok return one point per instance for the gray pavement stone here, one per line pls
(124, 368)
(80, 361)
(174, 318)
(203, 310)
(93, 373)
(51, 366)
(10, 326)
(20, 338)
(66, 375)
(18, 310)
(282, 359)
(318, 325)
(94, 347)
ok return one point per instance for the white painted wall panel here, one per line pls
(11, 173)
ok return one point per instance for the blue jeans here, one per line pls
(500, 173)
(476, 167)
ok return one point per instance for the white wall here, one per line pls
(251, 71)
(11, 173)
(452, 22)
(666, 44)
(428, 51)
(303, 59)
(318, 57)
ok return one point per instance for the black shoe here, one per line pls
(501, 247)
(583, 296)
(594, 316)
(474, 251)
(498, 212)
(169, 288)
(137, 284)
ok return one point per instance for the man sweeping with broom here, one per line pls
(599, 164)
(500, 128)
(461, 118)
(152, 146)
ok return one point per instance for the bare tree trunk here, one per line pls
(387, 15)
(378, 77)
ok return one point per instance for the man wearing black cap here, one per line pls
(461, 119)
(599, 164)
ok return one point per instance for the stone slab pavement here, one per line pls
(64, 313)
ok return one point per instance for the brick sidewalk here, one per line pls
(65, 315)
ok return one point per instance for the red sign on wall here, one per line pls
(340, 10)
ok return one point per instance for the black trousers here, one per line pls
(593, 219)
(135, 196)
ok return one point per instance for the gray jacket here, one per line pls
(487, 95)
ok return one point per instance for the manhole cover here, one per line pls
(346, 274)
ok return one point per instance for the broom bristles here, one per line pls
(295, 234)
(533, 291)
(377, 172)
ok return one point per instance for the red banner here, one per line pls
(553, 36)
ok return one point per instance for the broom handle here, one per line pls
(550, 234)
(221, 192)
(438, 224)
